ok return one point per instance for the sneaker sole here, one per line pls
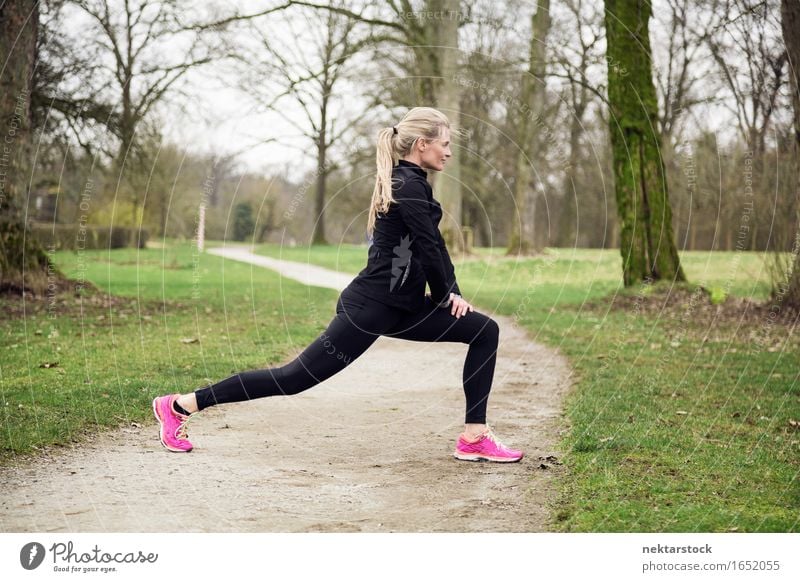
(484, 458)
(161, 431)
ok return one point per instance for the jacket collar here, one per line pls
(412, 166)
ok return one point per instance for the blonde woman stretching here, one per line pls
(386, 298)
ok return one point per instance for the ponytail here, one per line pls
(394, 143)
(384, 161)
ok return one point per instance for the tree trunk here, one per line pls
(568, 218)
(127, 136)
(318, 236)
(647, 241)
(533, 94)
(448, 100)
(23, 263)
(790, 23)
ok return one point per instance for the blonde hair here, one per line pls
(419, 122)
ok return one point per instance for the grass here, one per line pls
(344, 258)
(677, 421)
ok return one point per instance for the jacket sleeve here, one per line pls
(448, 265)
(415, 208)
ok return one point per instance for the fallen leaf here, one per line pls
(189, 340)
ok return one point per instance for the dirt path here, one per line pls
(368, 450)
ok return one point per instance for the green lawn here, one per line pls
(678, 421)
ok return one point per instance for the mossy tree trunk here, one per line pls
(647, 242)
(23, 263)
(790, 23)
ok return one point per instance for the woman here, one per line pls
(386, 298)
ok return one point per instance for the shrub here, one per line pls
(72, 237)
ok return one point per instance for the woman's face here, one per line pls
(435, 153)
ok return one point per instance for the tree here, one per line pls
(743, 39)
(243, 223)
(487, 145)
(66, 108)
(442, 52)
(311, 79)
(138, 41)
(749, 55)
(23, 263)
(575, 58)
(647, 242)
(533, 101)
(432, 37)
(676, 81)
(790, 25)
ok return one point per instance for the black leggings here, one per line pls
(358, 323)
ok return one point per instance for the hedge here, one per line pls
(74, 237)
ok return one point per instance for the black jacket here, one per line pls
(407, 249)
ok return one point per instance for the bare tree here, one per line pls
(65, 107)
(145, 51)
(574, 59)
(431, 35)
(312, 81)
(743, 40)
(678, 79)
(533, 101)
(491, 70)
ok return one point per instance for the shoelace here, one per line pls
(493, 437)
(180, 432)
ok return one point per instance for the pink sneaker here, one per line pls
(486, 448)
(173, 425)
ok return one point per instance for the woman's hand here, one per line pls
(459, 306)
